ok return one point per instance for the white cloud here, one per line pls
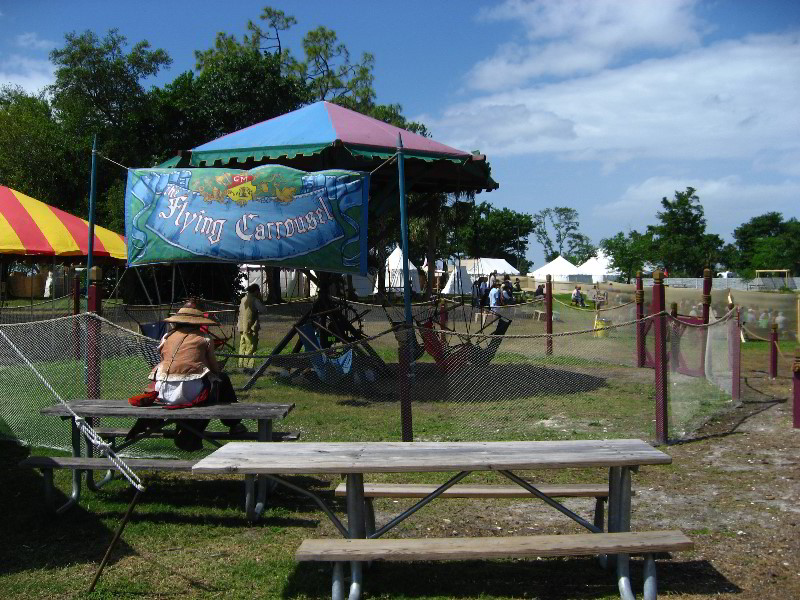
(32, 41)
(727, 201)
(29, 73)
(735, 99)
(581, 36)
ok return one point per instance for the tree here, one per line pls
(556, 229)
(767, 242)
(627, 252)
(579, 249)
(37, 157)
(495, 233)
(680, 241)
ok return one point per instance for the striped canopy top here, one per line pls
(31, 227)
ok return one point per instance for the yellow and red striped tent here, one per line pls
(31, 227)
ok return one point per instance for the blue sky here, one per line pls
(602, 105)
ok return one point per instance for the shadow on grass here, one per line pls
(553, 579)
(34, 538)
(469, 384)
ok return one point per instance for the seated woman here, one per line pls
(189, 374)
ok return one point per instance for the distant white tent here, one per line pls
(394, 273)
(599, 267)
(294, 283)
(559, 269)
(483, 267)
(459, 282)
(363, 285)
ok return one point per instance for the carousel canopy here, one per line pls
(31, 227)
(324, 136)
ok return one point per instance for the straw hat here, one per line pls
(188, 315)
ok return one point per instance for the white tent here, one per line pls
(560, 269)
(483, 267)
(599, 267)
(459, 282)
(363, 285)
(394, 273)
(293, 281)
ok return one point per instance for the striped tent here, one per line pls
(31, 227)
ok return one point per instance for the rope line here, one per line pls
(89, 433)
(113, 161)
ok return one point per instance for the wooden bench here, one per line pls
(471, 548)
(401, 490)
(112, 433)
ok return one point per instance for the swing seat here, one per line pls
(447, 358)
(328, 369)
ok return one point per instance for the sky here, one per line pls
(605, 106)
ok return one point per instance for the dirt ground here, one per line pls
(734, 488)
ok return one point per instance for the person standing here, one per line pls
(495, 299)
(249, 309)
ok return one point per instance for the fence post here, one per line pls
(773, 351)
(76, 295)
(707, 283)
(734, 353)
(674, 337)
(95, 302)
(548, 304)
(796, 378)
(660, 356)
(641, 355)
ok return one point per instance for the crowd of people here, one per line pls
(490, 292)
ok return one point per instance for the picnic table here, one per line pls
(356, 459)
(91, 410)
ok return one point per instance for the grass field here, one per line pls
(188, 537)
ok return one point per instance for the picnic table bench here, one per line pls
(361, 543)
(91, 410)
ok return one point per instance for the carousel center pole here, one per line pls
(92, 187)
(406, 366)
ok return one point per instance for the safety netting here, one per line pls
(465, 373)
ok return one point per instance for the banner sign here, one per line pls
(271, 214)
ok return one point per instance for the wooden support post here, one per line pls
(796, 381)
(706, 313)
(674, 337)
(76, 295)
(76, 310)
(734, 353)
(93, 350)
(660, 357)
(773, 351)
(548, 303)
(641, 354)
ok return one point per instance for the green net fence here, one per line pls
(465, 382)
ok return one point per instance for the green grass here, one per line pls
(188, 537)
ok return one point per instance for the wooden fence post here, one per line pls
(93, 350)
(734, 353)
(773, 351)
(660, 356)
(796, 381)
(707, 283)
(641, 354)
(548, 303)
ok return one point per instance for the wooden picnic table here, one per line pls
(358, 458)
(91, 409)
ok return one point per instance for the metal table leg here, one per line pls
(90, 482)
(355, 529)
(256, 486)
(49, 488)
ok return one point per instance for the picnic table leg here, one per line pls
(49, 489)
(356, 528)
(619, 520)
(256, 485)
(90, 482)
